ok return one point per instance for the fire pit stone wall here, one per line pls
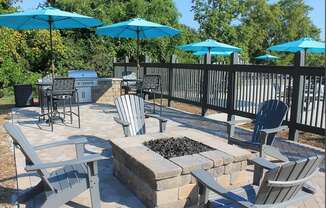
(160, 182)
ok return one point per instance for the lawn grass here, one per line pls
(7, 100)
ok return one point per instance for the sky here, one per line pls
(184, 7)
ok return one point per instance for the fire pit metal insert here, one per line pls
(176, 147)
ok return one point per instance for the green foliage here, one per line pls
(13, 66)
(217, 18)
(90, 51)
(255, 25)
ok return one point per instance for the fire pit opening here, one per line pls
(175, 147)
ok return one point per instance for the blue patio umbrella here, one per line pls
(267, 57)
(47, 18)
(209, 46)
(307, 44)
(136, 28)
(213, 53)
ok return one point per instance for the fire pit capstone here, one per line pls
(161, 182)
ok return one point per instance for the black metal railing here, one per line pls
(239, 89)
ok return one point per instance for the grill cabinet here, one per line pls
(84, 81)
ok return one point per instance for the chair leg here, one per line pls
(48, 107)
(94, 185)
(64, 108)
(203, 196)
(70, 110)
(162, 126)
(154, 103)
(258, 173)
(161, 102)
(51, 114)
(78, 110)
(230, 130)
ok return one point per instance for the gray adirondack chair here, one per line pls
(60, 186)
(268, 122)
(281, 186)
(132, 115)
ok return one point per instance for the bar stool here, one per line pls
(152, 84)
(63, 91)
(130, 83)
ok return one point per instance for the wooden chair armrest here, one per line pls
(80, 140)
(263, 163)
(273, 152)
(273, 130)
(206, 180)
(162, 121)
(81, 160)
(119, 121)
(156, 117)
(238, 122)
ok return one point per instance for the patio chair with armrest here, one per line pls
(281, 186)
(71, 177)
(132, 115)
(268, 122)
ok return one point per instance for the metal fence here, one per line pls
(240, 89)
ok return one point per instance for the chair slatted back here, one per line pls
(131, 109)
(294, 173)
(27, 149)
(151, 82)
(63, 85)
(270, 115)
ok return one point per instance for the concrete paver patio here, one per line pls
(98, 126)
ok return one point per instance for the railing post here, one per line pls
(297, 96)
(126, 68)
(231, 87)
(173, 60)
(204, 82)
(113, 67)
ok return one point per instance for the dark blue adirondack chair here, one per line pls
(268, 122)
(62, 185)
(281, 186)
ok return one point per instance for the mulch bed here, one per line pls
(175, 147)
(7, 167)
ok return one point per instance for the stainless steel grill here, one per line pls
(84, 81)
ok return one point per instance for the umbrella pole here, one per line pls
(51, 49)
(138, 65)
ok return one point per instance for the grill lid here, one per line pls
(82, 74)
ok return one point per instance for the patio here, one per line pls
(98, 126)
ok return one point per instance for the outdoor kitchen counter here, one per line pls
(161, 182)
(107, 90)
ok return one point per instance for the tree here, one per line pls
(255, 25)
(295, 21)
(100, 51)
(260, 25)
(14, 67)
(217, 18)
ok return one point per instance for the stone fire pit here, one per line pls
(162, 182)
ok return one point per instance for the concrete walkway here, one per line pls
(98, 126)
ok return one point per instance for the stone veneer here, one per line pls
(107, 90)
(159, 182)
